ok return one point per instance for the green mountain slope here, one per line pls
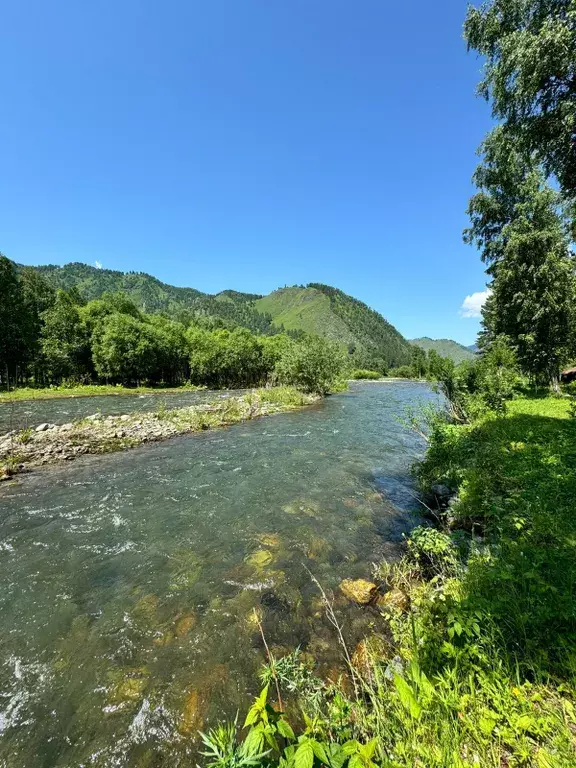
(330, 312)
(304, 309)
(370, 339)
(446, 348)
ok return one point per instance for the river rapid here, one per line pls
(129, 580)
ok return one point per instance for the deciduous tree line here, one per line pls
(48, 336)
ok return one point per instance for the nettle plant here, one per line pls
(271, 741)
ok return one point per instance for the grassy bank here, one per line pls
(49, 443)
(473, 656)
(86, 390)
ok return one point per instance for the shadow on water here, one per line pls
(130, 580)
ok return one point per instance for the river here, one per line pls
(129, 580)
(59, 410)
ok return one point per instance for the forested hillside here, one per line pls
(151, 295)
(369, 339)
(446, 348)
(318, 308)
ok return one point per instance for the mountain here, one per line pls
(315, 308)
(446, 348)
(154, 296)
(329, 312)
(473, 348)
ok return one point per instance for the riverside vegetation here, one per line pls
(472, 660)
(471, 657)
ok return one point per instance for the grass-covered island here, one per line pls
(21, 450)
(87, 390)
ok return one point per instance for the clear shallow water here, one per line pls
(129, 580)
(59, 410)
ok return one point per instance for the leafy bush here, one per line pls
(314, 366)
(403, 372)
(433, 551)
(362, 373)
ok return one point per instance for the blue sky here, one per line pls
(248, 145)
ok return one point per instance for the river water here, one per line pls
(59, 410)
(129, 580)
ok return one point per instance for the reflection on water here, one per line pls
(129, 580)
(59, 410)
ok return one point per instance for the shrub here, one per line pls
(363, 373)
(403, 372)
(314, 365)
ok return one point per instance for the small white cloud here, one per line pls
(98, 264)
(472, 305)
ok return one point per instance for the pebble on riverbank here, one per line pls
(23, 450)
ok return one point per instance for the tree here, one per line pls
(516, 220)
(314, 365)
(530, 76)
(439, 367)
(64, 340)
(172, 350)
(12, 320)
(225, 358)
(419, 363)
(125, 349)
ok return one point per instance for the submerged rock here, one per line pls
(367, 651)
(184, 624)
(359, 590)
(259, 559)
(192, 719)
(269, 539)
(394, 598)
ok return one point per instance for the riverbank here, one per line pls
(471, 661)
(22, 450)
(88, 390)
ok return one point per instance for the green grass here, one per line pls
(86, 390)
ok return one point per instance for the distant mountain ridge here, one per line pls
(315, 308)
(445, 347)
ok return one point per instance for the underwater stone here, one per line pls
(184, 624)
(259, 559)
(191, 720)
(394, 598)
(358, 590)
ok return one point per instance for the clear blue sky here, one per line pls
(247, 144)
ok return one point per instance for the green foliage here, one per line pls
(530, 59)
(517, 224)
(271, 740)
(64, 340)
(24, 436)
(315, 366)
(376, 343)
(432, 551)
(362, 373)
(402, 372)
(227, 358)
